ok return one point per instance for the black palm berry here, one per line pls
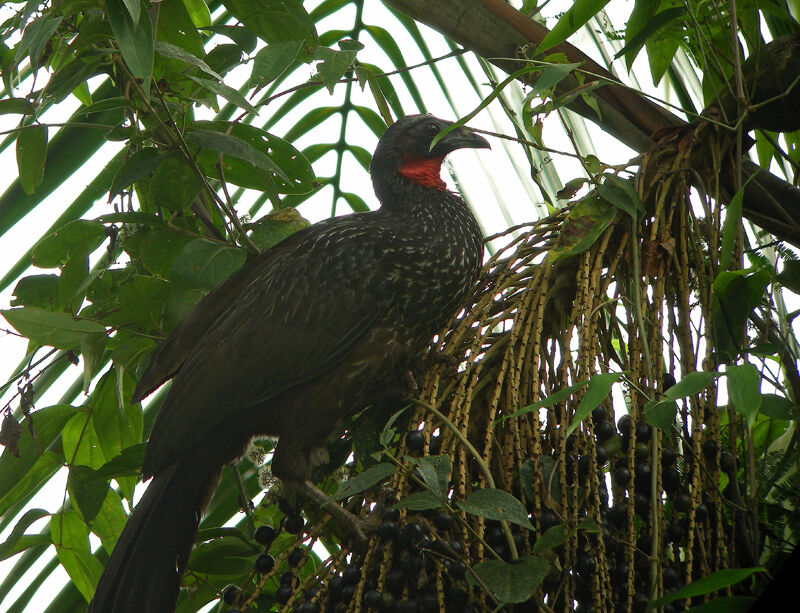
(391, 515)
(643, 431)
(351, 575)
(415, 440)
(668, 381)
(682, 502)
(435, 446)
(443, 521)
(709, 448)
(639, 603)
(674, 533)
(264, 563)
(642, 451)
(285, 507)
(388, 530)
(264, 535)
(347, 593)
(395, 580)
(641, 504)
(548, 519)
(602, 455)
(622, 476)
(618, 514)
(456, 570)
(283, 594)
(408, 606)
(293, 524)
(307, 607)
(624, 426)
(727, 462)
(598, 414)
(335, 585)
(671, 479)
(372, 599)
(296, 557)
(672, 577)
(230, 594)
(668, 456)
(604, 430)
(701, 512)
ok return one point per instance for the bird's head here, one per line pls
(404, 155)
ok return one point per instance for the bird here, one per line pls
(306, 334)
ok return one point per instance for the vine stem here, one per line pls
(481, 464)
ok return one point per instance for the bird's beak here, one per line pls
(460, 138)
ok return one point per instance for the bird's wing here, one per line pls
(170, 354)
(292, 323)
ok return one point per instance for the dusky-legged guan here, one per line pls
(303, 336)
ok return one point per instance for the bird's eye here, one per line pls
(431, 129)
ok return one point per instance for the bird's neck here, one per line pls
(423, 171)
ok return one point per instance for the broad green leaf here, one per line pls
(36, 36)
(222, 556)
(276, 226)
(578, 14)
(550, 400)
(56, 329)
(274, 21)
(135, 40)
(435, 472)
(127, 464)
(173, 185)
(512, 582)
(81, 445)
(661, 414)
(744, 390)
(31, 156)
(333, 66)
(272, 61)
(734, 296)
(552, 538)
(134, 8)
(710, 583)
(730, 228)
(138, 166)
(228, 144)
(117, 427)
(729, 604)
(586, 222)
(79, 237)
(621, 194)
(21, 106)
(230, 94)
(19, 475)
(496, 504)
(205, 264)
(177, 53)
(86, 492)
(9, 547)
(142, 301)
(295, 174)
(363, 481)
(636, 40)
(551, 75)
(692, 384)
(176, 28)
(240, 35)
(420, 501)
(109, 520)
(598, 390)
(37, 291)
(198, 11)
(71, 538)
(778, 407)
(789, 277)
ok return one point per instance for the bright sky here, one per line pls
(498, 196)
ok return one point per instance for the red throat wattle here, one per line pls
(422, 170)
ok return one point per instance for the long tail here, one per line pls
(143, 573)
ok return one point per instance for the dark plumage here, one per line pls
(305, 335)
